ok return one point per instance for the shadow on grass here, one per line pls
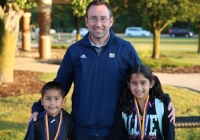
(5, 125)
(188, 88)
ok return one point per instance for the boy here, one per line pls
(54, 122)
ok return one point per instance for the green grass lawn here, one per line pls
(178, 51)
(15, 111)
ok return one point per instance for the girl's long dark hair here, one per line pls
(126, 99)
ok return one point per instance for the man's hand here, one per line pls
(33, 116)
(172, 113)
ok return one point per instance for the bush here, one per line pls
(163, 63)
(60, 46)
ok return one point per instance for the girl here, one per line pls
(141, 116)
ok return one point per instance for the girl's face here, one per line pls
(139, 86)
(52, 101)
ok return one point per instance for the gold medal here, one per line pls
(47, 126)
(143, 118)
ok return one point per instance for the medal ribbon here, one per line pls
(47, 126)
(142, 126)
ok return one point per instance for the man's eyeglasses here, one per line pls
(95, 19)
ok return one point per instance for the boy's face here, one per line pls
(53, 101)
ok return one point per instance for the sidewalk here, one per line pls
(190, 81)
(31, 64)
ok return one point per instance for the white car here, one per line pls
(52, 31)
(136, 31)
(83, 31)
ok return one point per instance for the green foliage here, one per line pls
(26, 4)
(79, 7)
(61, 17)
(190, 14)
(22, 3)
(60, 46)
(162, 63)
(127, 19)
(158, 13)
(118, 6)
(79, 10)
(46, 77)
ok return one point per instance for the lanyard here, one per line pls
(47, 126)
(142, 126)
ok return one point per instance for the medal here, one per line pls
(143, 118)
(47, 126)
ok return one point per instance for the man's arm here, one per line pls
(167, 100)
(172, 112)
(64, 77)
(65, 74)
(36, 109)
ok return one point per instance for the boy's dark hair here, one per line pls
(126, 104)
(53, 85)
(99, 2)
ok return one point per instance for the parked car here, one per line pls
(174, 32)
(83, 31)
(136, 31)
(37, 30)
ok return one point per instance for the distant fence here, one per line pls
(187, 122)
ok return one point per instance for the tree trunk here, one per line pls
(7, 57)
(78, 26)
(198, 51)
(156, 44)
(9, 18)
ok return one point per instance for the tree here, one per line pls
(10, 14)
(79, 10)
(61, 18)
(193, 15)
(123, 18)
(157, 13)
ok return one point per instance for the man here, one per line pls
(97, 64)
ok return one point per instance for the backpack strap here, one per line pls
(68, 124)
(38, 128)
(160, 112)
